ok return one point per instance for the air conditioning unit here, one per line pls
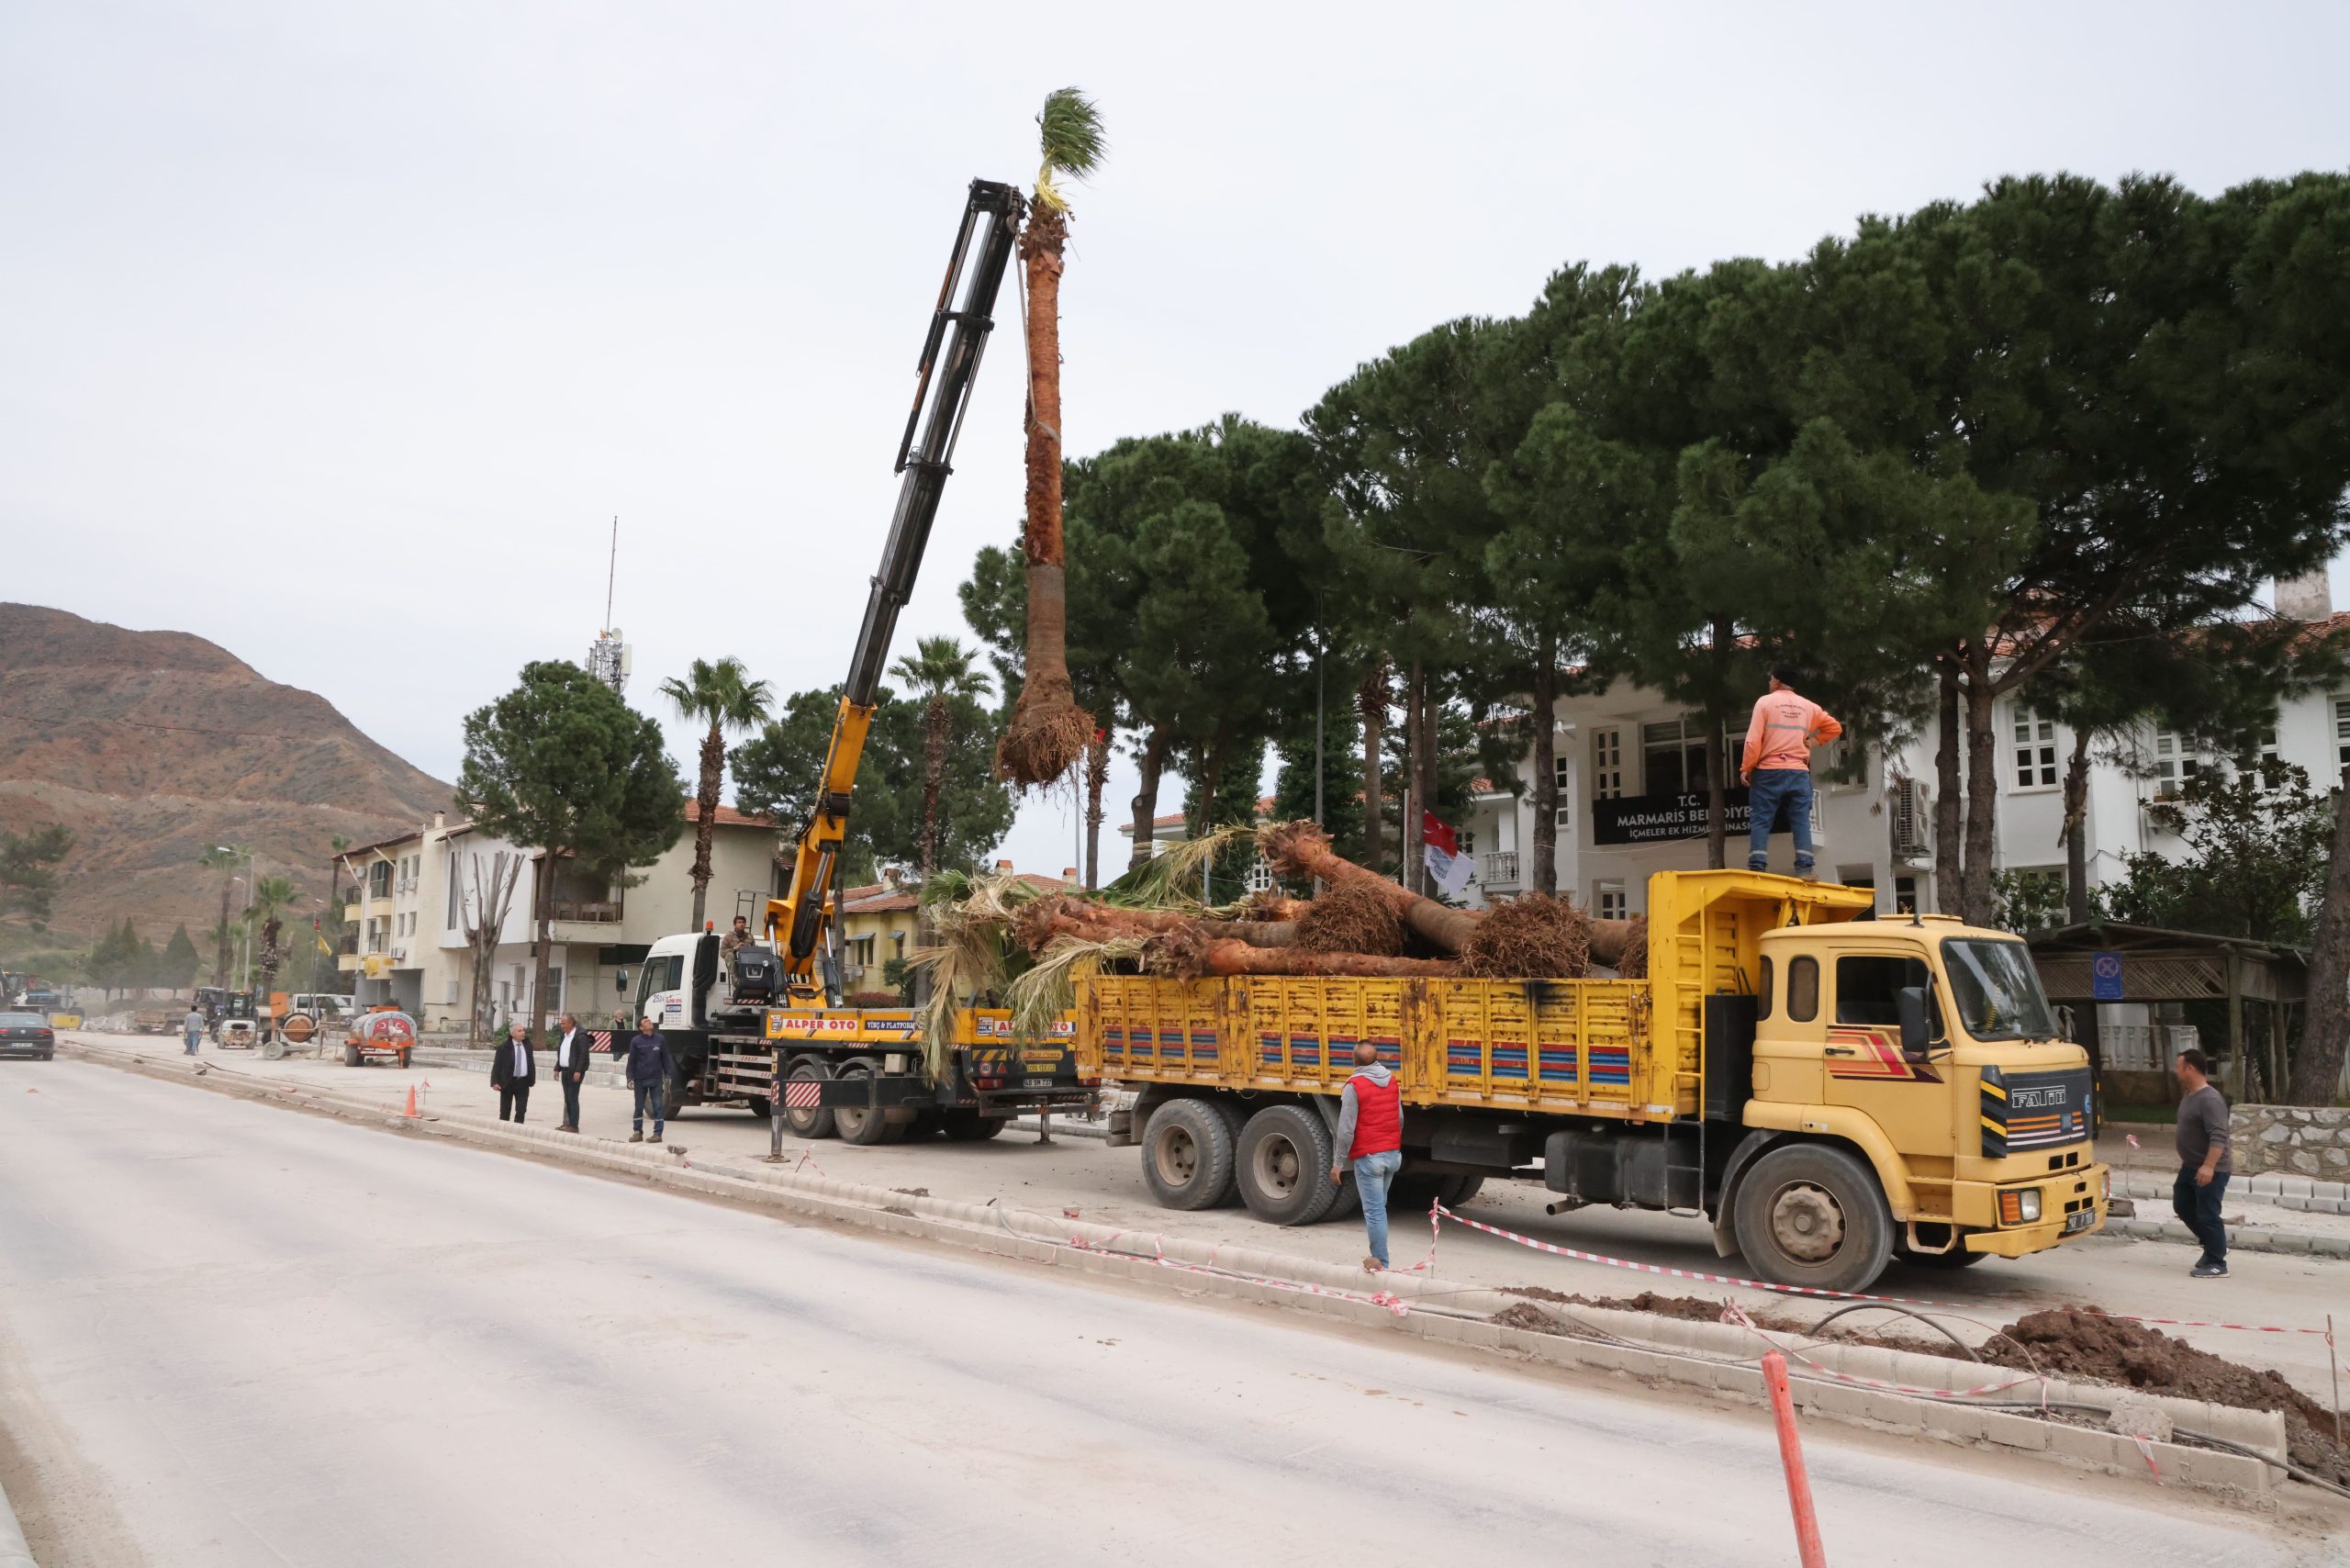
(400, 955)
(1913, 824)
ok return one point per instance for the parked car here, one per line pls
(27, 1035)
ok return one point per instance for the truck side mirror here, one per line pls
(620, 983)
(1916, 1031)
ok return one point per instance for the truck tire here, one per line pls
(969, 1126)
(1460, 1190)
(1348, 1204)
(1187, 1155)
(760, 1109)
(351, 1054)
(806, 1121)
(1284, 1165)
(1811, 1214)
(862, 1126)
(404, 1050)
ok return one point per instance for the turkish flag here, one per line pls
(1436, 835)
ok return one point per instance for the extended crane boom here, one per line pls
(943, 388)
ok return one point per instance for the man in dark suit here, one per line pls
(512, 1070)
(570, 1067)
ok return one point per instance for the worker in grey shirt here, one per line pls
(2204, 1163)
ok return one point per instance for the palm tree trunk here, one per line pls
(713, 771)
(2325, 1027)
(1371, 703)
(1151, 763)
(933, 774)
(220, 935)
(1049, 730)
(1545, 850)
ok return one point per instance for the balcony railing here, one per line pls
(1499, 870)
(349, 943)
(593, 912)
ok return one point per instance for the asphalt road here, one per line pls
(235, 1334)
(1105, 1185)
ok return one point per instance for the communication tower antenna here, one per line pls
(607, 656)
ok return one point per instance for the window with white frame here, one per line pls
(1672, 756)
(1259, 877)
(1559, 776)
(1607, 764)
(2033, 748)
(2342, 731)
(456, 896)
(1468, 842)
(1608, 900)
(2176, 762)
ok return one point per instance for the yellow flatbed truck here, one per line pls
(1830, 1090)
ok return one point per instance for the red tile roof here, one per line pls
(727, 816)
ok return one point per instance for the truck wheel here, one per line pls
(1284, 1165)
(760, 1109)
(1187, 1155)
(925, 1124)
(863, 1125)
(969, 1126)
(1454, 1190)
(1811, 1214)
(1959, 1258)
(350, 1055)
(404, 1050)
(807, 1121)
(1348, 1204)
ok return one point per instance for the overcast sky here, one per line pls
(338, 334)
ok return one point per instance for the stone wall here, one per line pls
(2291, 1139)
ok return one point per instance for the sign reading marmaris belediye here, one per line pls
(1660, 819)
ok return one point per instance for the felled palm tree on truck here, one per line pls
(1048, 732)
(723, 696)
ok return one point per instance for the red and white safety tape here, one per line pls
(1437, 1212)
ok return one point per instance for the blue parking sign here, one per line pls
(2105, 977)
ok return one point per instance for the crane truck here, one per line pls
(1830, 1090)
(743, 1029)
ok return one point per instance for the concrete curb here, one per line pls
(2285, 1189)
(1659, 1351)
(13, 1552)
(2242, 1238)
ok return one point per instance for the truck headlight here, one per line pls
(2019, 1205)
(2107, 1184)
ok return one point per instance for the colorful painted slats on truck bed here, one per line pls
(1561, 1044)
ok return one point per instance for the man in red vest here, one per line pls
(1370, 1137)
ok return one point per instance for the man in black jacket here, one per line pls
(512, 1070)
(648, 1075)
(570, 1067)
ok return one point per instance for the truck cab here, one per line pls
(1928, 1047)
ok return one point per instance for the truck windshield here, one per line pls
(1997, 990)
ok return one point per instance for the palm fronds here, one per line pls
(1073, 143)
(1048, 989)
(1172, 879)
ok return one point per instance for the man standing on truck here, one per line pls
(2205, 1163)
(648, 1076)
(1370, 1137)
(1776, 767)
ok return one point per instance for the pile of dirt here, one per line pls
(1350, 918)
(1689, 1308)
(1534, 935)
(2092, 1346)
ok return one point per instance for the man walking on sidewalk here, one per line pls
(511, 1073)
(571, 1068)
(2205, 1163)
(192, 1027)
(648, 1076)
(1370, 1137)
(1776, 767)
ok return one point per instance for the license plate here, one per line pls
(1036, 1084)
(2080, 1220)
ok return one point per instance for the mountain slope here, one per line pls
(152, 745)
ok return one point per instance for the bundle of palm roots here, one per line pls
(1009, 942)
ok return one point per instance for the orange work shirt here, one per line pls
(1784, 728)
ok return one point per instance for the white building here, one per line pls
(416, 894)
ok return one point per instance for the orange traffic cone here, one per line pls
(411, 1112)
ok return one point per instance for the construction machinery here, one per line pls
(1830, 1090)
(737, 1030)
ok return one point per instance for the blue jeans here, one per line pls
(1777, 790)
(647, 1094)
(1374, 1173)
(190, 1040)
(2199, 1209)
